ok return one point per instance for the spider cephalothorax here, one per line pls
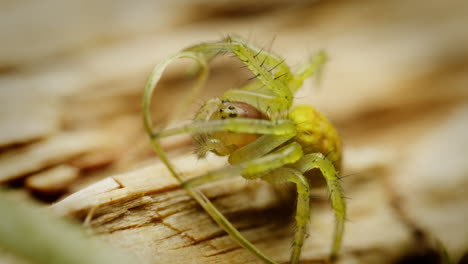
(225, 142)
(262, 133)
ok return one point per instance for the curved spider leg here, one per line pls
(252, 169)
(317, 160)
(282, 175)
(267, 59)
(313, 66)
(197, 195)
(156, 75)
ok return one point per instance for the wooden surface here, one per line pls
(71, 81)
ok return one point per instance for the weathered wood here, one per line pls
(34, 157)
(52, 180)
(144, 210)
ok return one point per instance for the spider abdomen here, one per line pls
(315, 133)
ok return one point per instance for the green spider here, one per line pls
(264, 136)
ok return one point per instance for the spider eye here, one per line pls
(235, 109)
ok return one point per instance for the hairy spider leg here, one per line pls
(258, 148)
(235, 125)
(282, 175)
(266, 58)
(260, 63)
(313, 67)
(155, 76)
(254, 168)
(268, 162)
(205, 203)
(155, 141)
(225, 224)
(319, 161)
(257, 94)
(278, 175)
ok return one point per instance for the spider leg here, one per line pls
(156, 75)
(314, 66)
(224, 223)
(317, 160)
(236, 125)
(252, 169)
(260, 147)
(205, 203)
(259, 62)
(282, 175)
(258, 96)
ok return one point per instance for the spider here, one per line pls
(262, 133)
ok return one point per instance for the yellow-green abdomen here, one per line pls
(315, 133)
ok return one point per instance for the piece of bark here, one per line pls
(59, 148)
(145, 210)
(52, 180)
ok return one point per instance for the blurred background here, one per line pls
(396, 86)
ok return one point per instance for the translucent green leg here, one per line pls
(285, 155)
(224, 223)
(236, 125)
(254, 168)
(269, 69)
(314, 66)
(197, 195)
(260, 147)
(303, 204)
(317, 160)
(156, 75)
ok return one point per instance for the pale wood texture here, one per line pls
(145, 211)
(72, 76)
